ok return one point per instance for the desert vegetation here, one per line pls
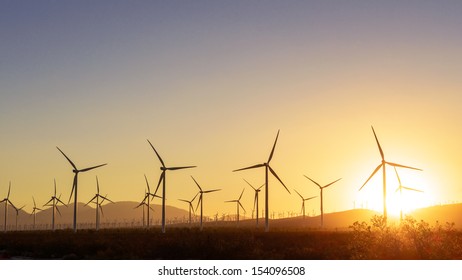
(363, 240)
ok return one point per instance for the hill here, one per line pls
(124, 214)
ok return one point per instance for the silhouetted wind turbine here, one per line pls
(201, 193)
(98, 203)
(7, 200)
(144, 204)
(267, 167)
(34, 211)
(238, 204)
(162, 179)
(303, 202)
(400, 189)
(54, 204)
(148, 197)
(191, 208)
(321, 189)
(383, 165)
(255, 200)
(74, 184)
(17, 214)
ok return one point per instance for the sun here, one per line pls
(415, 193)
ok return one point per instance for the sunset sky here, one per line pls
(209, 83)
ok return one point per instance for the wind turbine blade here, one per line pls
(309, 198)
(11, 203)
(299, 194)
(160, 159)
(199, 201)
(70, 161)
(274, 146)
(230, 200)
(93, 167)
(184, 200)
(373, 173)
(241, 206)
(34, 202)
(97, 185)
(192, 208)
(73, 187)
(313, 181)
(57, 209)
(147, 184)
(162, 175)
(90, 201)
(197, 183)
(54, 183)
(9, 189)
(48, 202)
(397, 189)
(194, 197)
(261, 187)
(402, 166)
(397, 176)
(250, 167)
(332, 183)
(101, 209)
(249, 184)
(241, 194)
(411, 189)
(277, 177)
(59, 200)
(209, 191)
(181, 167)
(378, 144)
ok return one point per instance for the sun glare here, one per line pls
(414, 194)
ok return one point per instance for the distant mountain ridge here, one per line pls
(124, 214)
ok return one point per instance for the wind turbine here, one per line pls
(74, 184)
(303, 201)
(34, 210)
(238, 204)
(98, 203)
(144, 204)
(54, 204)
(267, 167)
(147, 197)
(400, 189)
(201, 193)
(162, 179)
(383, 165)
(191, 208)
(321, 189)
(17, 214)
(255, 200)
(7, 200)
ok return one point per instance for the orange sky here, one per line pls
(211, 83)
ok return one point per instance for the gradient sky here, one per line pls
(211, 82)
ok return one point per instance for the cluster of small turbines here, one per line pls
(149, 196)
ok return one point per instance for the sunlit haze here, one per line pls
(210, 83)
